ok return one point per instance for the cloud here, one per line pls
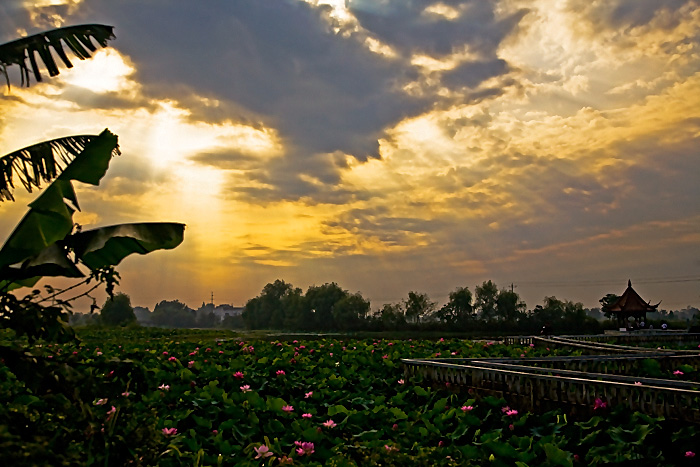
(628, 14)
(407, 25)
(282, 65)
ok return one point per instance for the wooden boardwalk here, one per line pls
(574, 383)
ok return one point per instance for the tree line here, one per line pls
(329, 307)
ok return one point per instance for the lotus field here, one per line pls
(154, 397)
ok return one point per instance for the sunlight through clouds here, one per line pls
(441, 143)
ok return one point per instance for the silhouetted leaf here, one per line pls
(79, 39)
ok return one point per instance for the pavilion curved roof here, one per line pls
(631, 302)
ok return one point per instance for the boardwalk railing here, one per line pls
(574, 383)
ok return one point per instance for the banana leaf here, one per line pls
(107, 246)
(39, 163)
(95, 248)
(50, 217)
(23, 52)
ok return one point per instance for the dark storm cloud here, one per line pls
(277, 59)
(279, 64)
(472, 74)
(404, 25)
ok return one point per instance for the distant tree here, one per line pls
(550, 313)
(297, 313)
(418, 305)
(391, 316)
(322, 300)
(232, 321)
(266, 311)
(350, 311)
(117, 311)
(458, 310)
(173, 314)
(486, 300)
(509, 307)
(606, 302)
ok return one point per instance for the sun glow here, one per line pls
(106, 71)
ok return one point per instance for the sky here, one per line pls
(385, 145)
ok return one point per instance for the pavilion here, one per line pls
(630, 305)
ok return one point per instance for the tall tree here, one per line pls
(392, 316)
(486, 300)
(267, 310)
(458, 309)
(322, 300)
(418, 305)
(350, 311)
(606, 302)
(117, 311)
(509, 306)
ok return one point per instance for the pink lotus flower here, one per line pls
(329, 424)
(401, 381)
(238, 375)
(172, 359)
(505, 409)
(304, 449)
(390, 448)
(287, 408)
(126, 393)
(280, 373)
(637, 383)
(599, 404)
(467, 408)
(165, 353)
(164, 387)
(308, 394)
(111, 412)
(385, 356)
(101, 401)
(306, 415)
(263, 452)
(512, 413)
(678, 372)
(689, 454)
(285, 460)
(395, 426)
(190, 364)
(169, 431)
(245, 388)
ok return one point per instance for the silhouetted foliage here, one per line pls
(173, 314)
(117, 311)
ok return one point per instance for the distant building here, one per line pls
(630, 306)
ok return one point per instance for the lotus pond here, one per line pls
(155, 397)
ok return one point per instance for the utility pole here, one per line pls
(512, 287)
(212, 298)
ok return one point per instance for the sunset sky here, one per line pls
(386, 145)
